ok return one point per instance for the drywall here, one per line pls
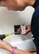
(9, 18)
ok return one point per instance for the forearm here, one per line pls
(18, 51)
(8, 47)
(5, 45)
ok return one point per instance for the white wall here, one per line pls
(10, 18)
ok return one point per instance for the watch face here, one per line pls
(17, 29)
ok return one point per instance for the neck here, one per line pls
(31, 2)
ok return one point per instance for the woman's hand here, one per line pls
(17, 51)
(28, 29)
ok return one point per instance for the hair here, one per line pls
(2, 0)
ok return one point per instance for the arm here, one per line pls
(8, 47)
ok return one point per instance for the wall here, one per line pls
(10, 18)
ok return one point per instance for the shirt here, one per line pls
(36, 4)
(35, 24)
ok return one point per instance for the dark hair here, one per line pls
(2, 0)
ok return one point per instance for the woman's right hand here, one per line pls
(28, 29)
(18, 51)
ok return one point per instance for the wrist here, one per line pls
(13, 50)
